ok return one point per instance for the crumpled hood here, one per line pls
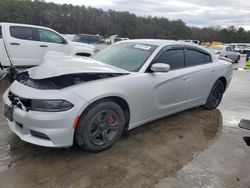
(57, 64)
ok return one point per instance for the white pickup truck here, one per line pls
(24, 45)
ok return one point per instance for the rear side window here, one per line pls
(197, 58)
(1, 35)
(20, 32)
(175, 58)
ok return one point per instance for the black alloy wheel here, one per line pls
(215, 96)
(100, 126)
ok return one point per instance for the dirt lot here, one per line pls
(195, 148)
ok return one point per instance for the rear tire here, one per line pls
(100, 126)
(215, 96)
(237, 60)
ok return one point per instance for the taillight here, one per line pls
(218, 53)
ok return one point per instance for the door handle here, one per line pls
(44, 46)
(14, 43)
(186, 78)
(213, 71)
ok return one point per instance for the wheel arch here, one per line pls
(83, 54)
(116, 99)
(224, 81)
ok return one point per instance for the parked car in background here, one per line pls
(115, 38)
(246, 49)
(239, 49)
(93, 100)
(26, 45)
(193, 41)
(89, 39)
(226, 51)
(97, 40)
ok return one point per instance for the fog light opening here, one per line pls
(39, 135)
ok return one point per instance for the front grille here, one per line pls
(19, 102)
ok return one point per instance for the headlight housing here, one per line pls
(50, 105)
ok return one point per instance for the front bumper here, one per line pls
(50, 129)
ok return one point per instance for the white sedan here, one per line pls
(93, 100)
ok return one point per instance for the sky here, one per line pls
(200, 13)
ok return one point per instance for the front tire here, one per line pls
(215, 96)
(100, 126)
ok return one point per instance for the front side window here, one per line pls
(49, 36)
(197, 58)
(130, 56)
(20, 32)
(174, 58)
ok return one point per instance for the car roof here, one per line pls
(163, 42)
(27, 25)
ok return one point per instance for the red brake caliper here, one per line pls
(111, 120)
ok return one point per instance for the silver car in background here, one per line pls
(226, 51)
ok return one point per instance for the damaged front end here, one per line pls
(62, 81)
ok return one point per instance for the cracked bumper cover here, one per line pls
(57, 126)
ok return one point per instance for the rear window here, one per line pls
(1, 32)
(20, 32)
(197, 58)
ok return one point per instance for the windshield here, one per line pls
(128, 55)
(90, 39)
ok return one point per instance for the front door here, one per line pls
(167, 91)
(51, 41)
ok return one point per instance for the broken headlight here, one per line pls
(50, 105)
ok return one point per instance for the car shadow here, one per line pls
(141, 156)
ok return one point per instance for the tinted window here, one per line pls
(175, 58)
(49, 36)
(0, 32)
(90, 39)
(24, 33)
(207, 58)
(196, 58)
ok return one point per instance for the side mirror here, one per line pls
(160, 67)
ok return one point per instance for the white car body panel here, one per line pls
(56, 64)
(27, 53)
(148, 95)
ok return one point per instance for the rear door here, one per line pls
(202, 74)
(22, 47)
(50, 41)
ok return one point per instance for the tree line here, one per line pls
(69, 19)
